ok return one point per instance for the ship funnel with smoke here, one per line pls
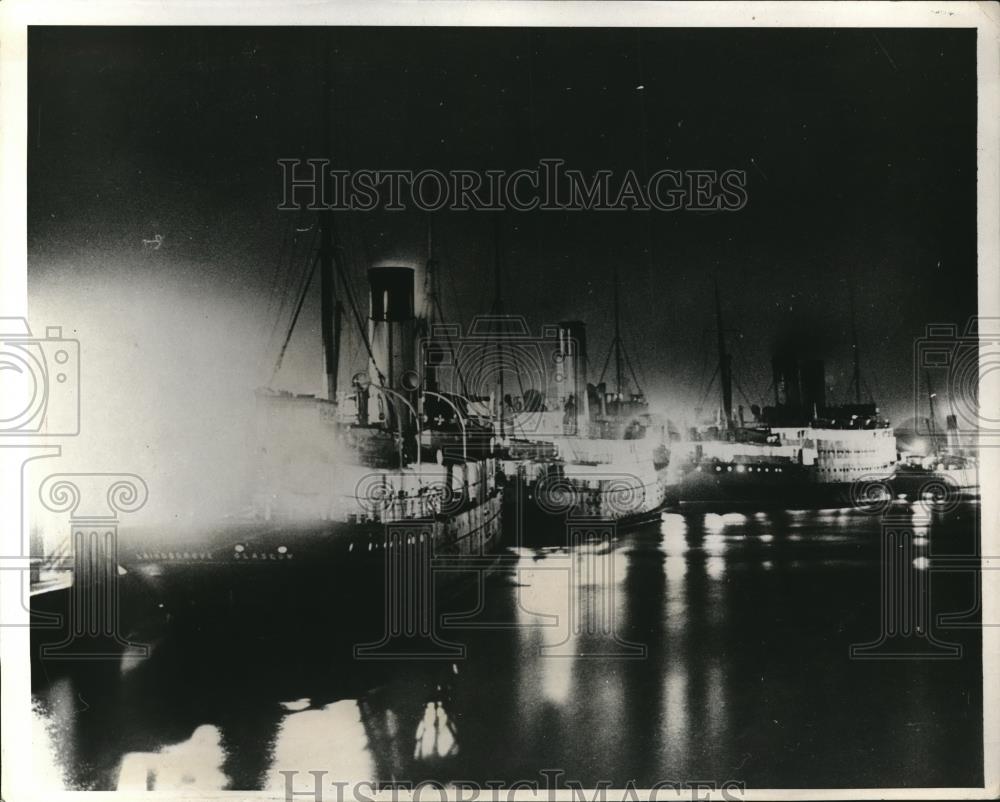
(392, 337)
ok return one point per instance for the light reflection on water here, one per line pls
(194, 764)
(542, 607)
(331, 737)
(745, 623)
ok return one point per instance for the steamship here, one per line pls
(600, 453)
(798, 453)
(348, 488)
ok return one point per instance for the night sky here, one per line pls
(859, 148)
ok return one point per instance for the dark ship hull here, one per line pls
(806, 468)
(539, 513)
(793, 487)
(269, 569)
(943, 484)
(542, 498)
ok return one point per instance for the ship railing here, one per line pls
(384, 497)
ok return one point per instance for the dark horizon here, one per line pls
(858, 147)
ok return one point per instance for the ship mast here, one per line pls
(618, 340)
(498, 311)
(329, 305)
(436, 314)
(932, 420)
(430, 371)
(725, 364)
(622, 361)
(856, 380)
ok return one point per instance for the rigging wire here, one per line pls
(436, 304)
(347, 242)
(276, 271)
(454, 294)
(631, 370)
(290, 279)
(295, 317)
(739, 387)
(704, 363)
(304, 275)
(357, 316)
(708, 389)
(642, 372)
(289, 273)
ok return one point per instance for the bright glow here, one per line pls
(675, 569)
(675, 717)
(194, 764)
(119, 309)
(672, 526)
(50, 749)
(436, 734)
(715, 545)
(334, 738)
(557, 677)
(715, 567)
(543, 619)
(714, 522)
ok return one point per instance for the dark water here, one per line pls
(704, 647)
